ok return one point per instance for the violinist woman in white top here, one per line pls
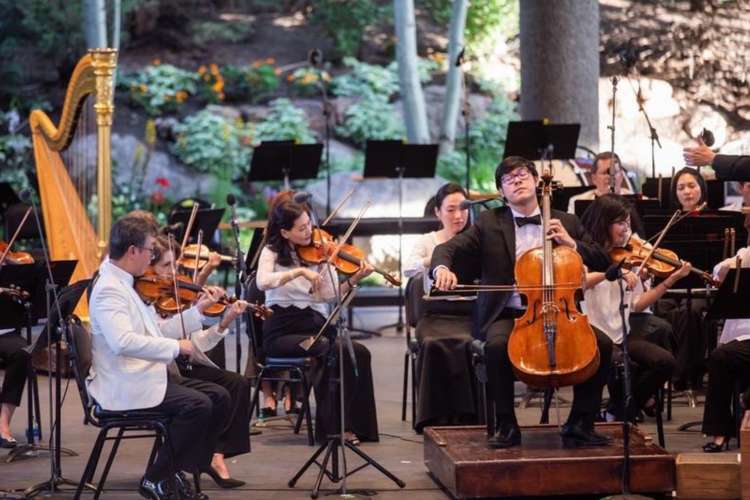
(299, 295)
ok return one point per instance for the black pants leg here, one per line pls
(235, 436)
(17, 363)
(727, 364)
(587, 397)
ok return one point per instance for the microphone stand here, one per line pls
(466, 113)
(612, 136)
(653, 136)
(239, 270)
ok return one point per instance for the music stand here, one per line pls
(391, 158)
(730, 302)
(530, 139)
(206, 219)
(561, 197)
(282, 160)
(8, 196)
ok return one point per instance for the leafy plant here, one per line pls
(346, 21)
(252, 83)
(161, 88)
(284, 122)
(209, 143)
(365, 79)
(212, 83)
(425, 67)
(305, 81)
(371, 118)
(484, 19)
(206, 33)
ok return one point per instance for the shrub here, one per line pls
(484, 19)
(346, 21)
(305, 81)
(209, 143)
(365, 79)
(207, 33)
(371, 118)
(252, 83)
(284, 122)
(161, 88)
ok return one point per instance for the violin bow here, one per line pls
(198, 255)
(15, 235)
(672, 221)
(189, 227)
(348, 232)
(173, 270)
(338, 207)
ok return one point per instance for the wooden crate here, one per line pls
(708, 475)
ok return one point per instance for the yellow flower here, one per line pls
(256, 64)
(143, 88)
(290, 78)
(270, 60)
(156, 62)
(201, 69)
(214, 69)
(181, 96)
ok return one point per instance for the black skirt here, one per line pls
(282, 333)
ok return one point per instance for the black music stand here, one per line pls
(730, 302)
(206, 219)
(530, 139)
(396, 159)
(561, 197)
(284, 160)
(8, 196)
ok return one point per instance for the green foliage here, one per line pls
(207, 33)
(365, 79)
(425, 67)
(485, 19)
(284, 122)
(161, 88)
(371, 118)
(346, 21)
(305, 81)
(488, 133)
(250, 83)
(209, 143)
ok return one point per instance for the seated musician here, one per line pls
(443, 368)
(235, 437)
(688, 193)
(131, 352)
(607, 220)
(299, 294)
(16, 362)
(727, 364)
(497, 239)
(600, 175)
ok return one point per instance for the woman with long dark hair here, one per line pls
(299, 295)
(608, 222)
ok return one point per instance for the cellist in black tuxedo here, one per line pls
(498, 237)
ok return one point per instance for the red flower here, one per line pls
(157, 198)
(162, 181)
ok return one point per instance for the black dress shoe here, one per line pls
(267, 412)
(507, 435)
(577, 436)
(712, 447)
(186, 489)
(220, 481)
(160, 490)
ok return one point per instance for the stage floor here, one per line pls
(277, 453)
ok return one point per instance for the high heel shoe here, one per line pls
(712, 447)
(220, 481)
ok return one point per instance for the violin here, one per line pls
(661, 264)
(348, 260)
(552, 344)
(15, 257)
(196, 257)
(159, 291)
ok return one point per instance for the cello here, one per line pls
(552, 344)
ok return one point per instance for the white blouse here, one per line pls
(296, 292)
(734, 329)
(421, 254)
(601, 304)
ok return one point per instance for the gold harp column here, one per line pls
(104, 62)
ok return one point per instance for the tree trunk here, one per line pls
(412, 97)
(560, 64)
(95, 23)
(454, 82)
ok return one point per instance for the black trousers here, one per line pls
(689, 339)
(235, 437)
(17, 363)
(199, 412)
(652, 364)
(587, 397)
(728, 365)
(281, 337)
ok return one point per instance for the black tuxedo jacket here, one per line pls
(492, 242)
(732, 167)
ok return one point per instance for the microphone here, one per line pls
(614, 272)
(460, 57)
(315, 57)
(25, 196)
(707, 137)
(302, 197)
(232, 201)
(470, 203)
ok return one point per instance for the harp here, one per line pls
(73, 165)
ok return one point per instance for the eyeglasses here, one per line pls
(151, 250)
(522, 174)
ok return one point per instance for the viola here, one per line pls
(160, 291)
(661, 264)
(196, 257)
(552, 344)
(15, 257)
(348, 260)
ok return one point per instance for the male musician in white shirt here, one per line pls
(600, 174)
(131, 358)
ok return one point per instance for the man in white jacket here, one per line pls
(133, 360)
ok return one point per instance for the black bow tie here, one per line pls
(534, 219)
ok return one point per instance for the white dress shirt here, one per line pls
(296, 292)
(734, 329)
(527, 237)
(588, 195)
